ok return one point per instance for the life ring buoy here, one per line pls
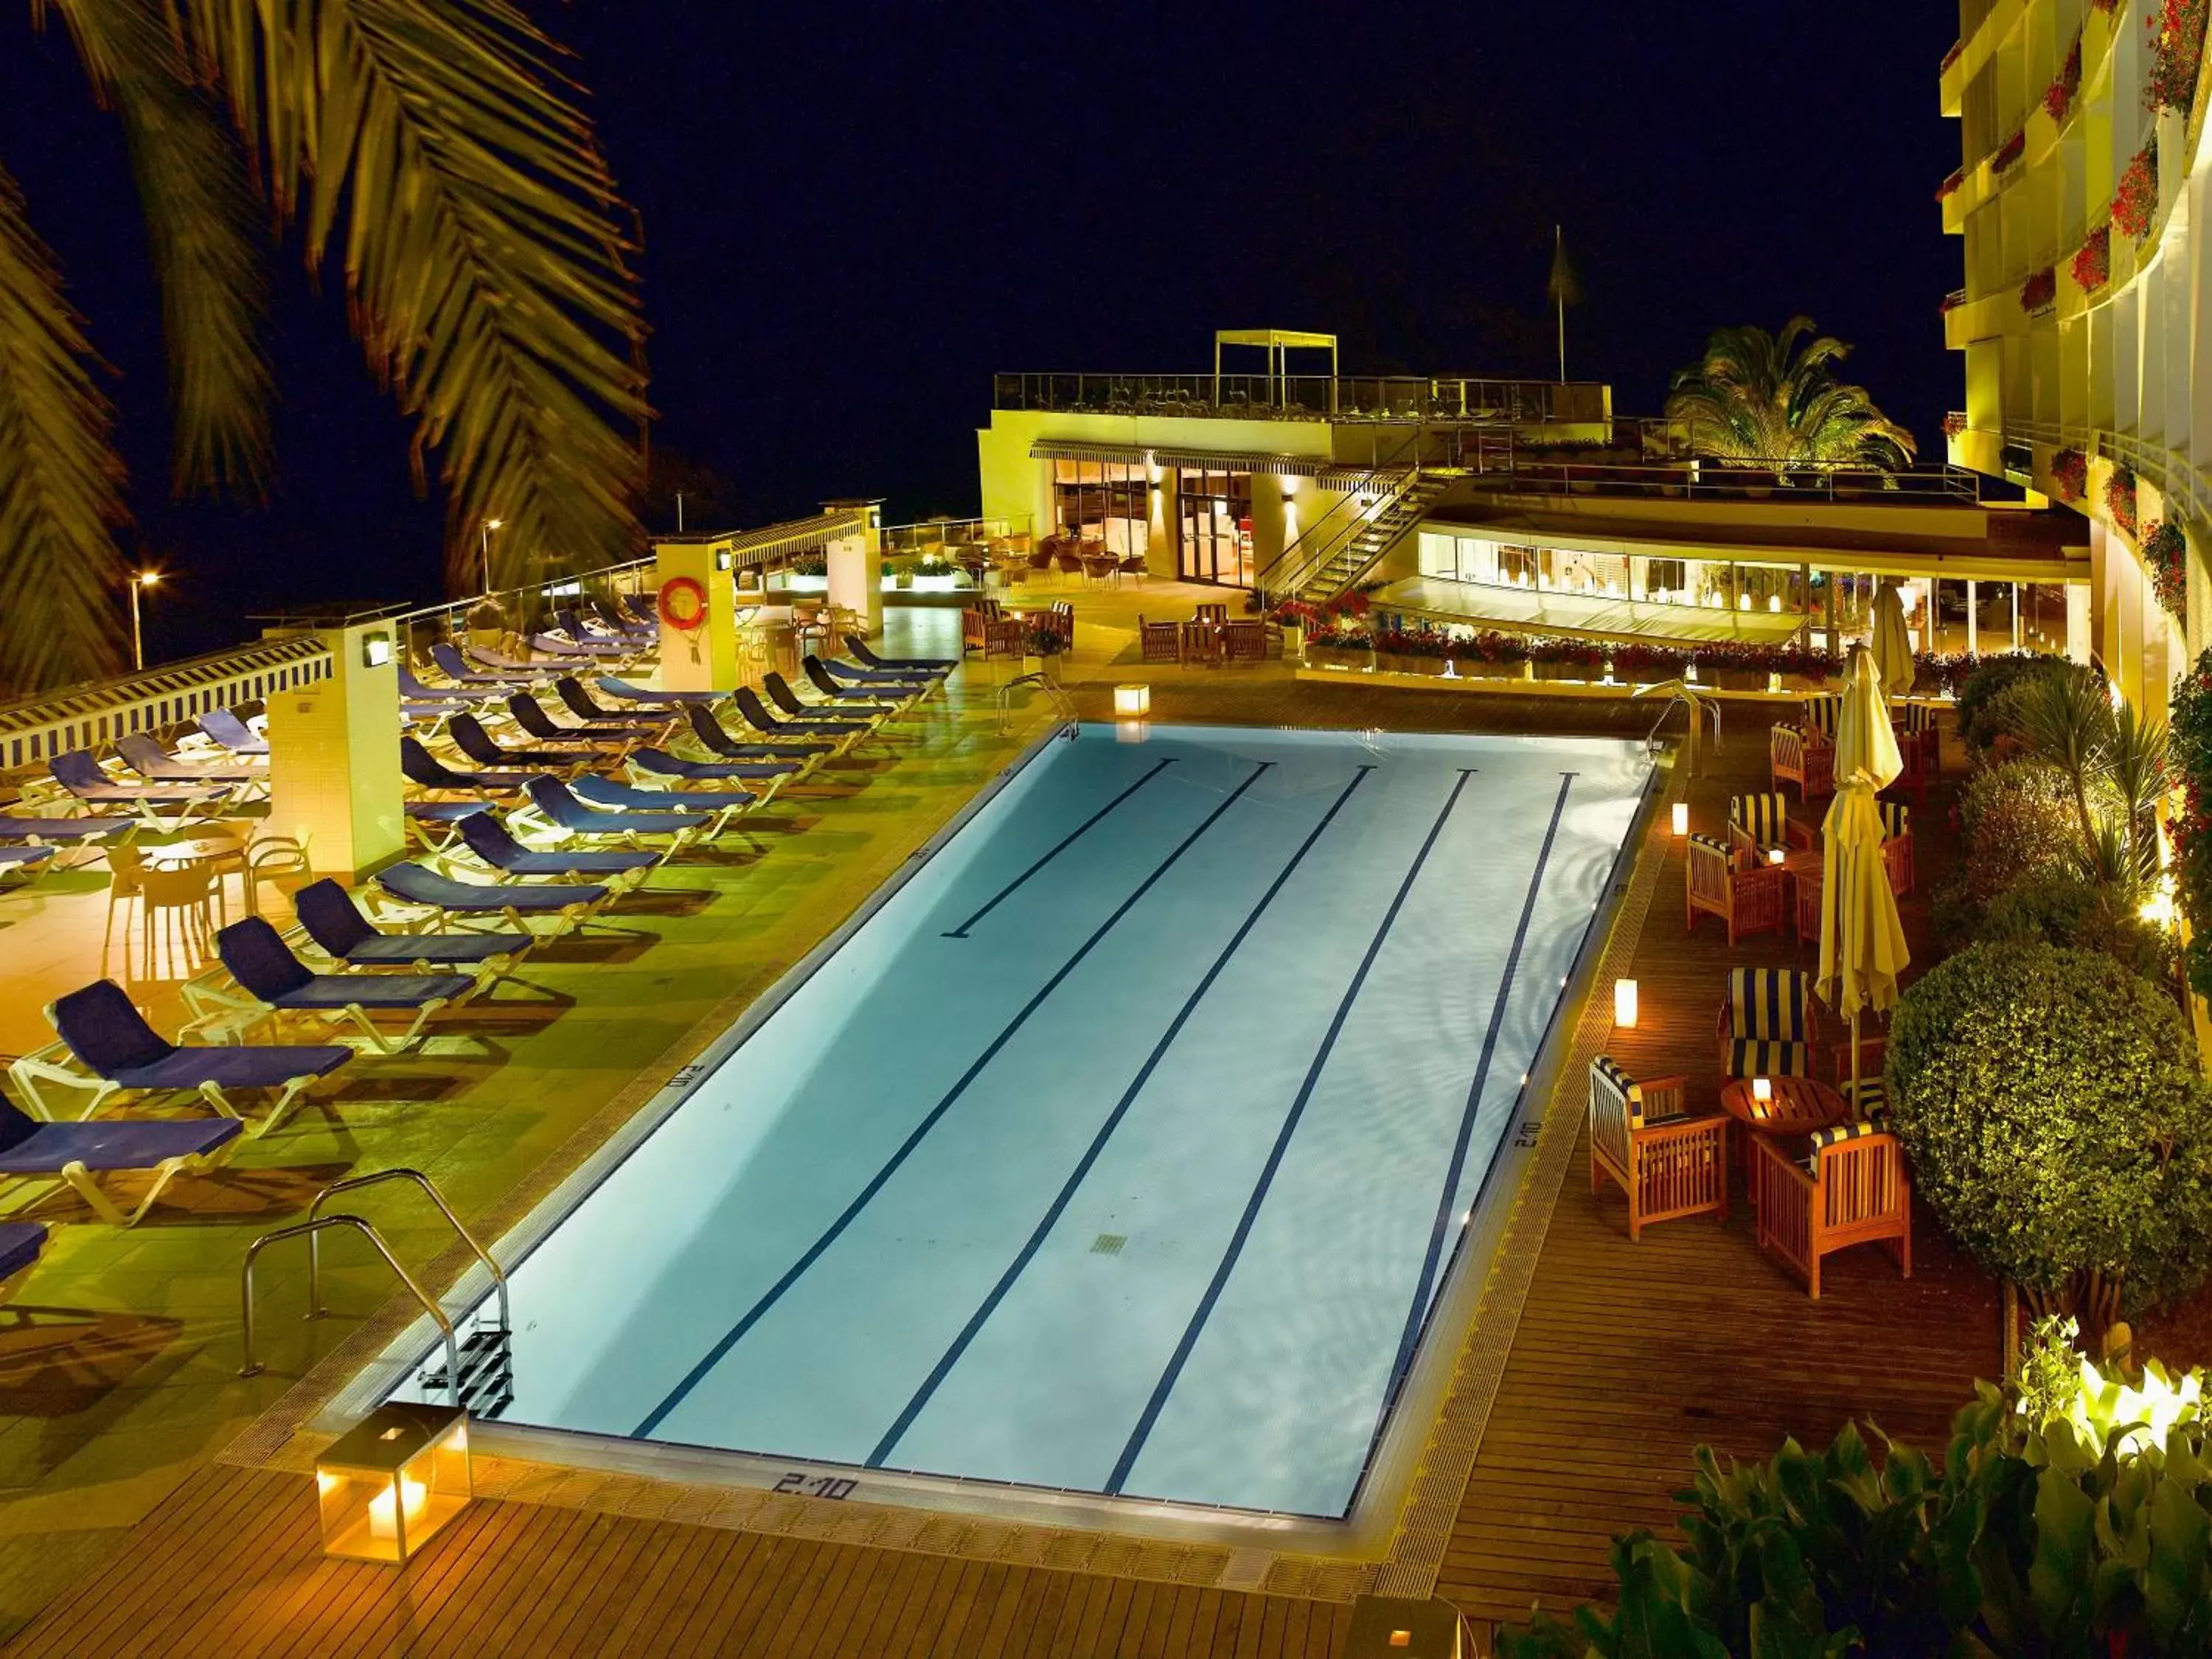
(683, 602)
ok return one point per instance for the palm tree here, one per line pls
(1756, 400)
(437, 147)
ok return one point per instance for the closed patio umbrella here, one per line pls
(1862, 948)
(1892, 644)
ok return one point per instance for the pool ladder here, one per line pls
(479, 1371)
(1063, 706)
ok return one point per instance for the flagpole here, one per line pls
(1558, 248)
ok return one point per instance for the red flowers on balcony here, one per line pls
(2039, 292)
(2093, 260)
(1952, 301)
(2058, 96)
(2135, 203)
(2177, 46)
(1955, 424)
(2070, 470)
(2010, 151)
(2166, 552)
(1957, 51)
(1950, 186)
(2120, 499)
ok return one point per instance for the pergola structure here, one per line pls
(1278, 343)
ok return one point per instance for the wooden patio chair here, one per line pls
(1920, 746)
(1849, 1187)
(1720, 882)
(1872, 1098)
(1824, 713)
(1213, 614)
(1669, 1163)
(1244, 642)
(1897, 846)
(1760, 824)
(1766, 1025)
(1160, 641)
(1795, 754)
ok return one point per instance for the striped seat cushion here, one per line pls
(1919, 716)
(1713, 844)
(1767, 1002)
(1869, 1098)
(1606, 1073)
(1769, 1057)
(1763, 817)
(1857, 1128)
(1896, 818)
(1823, 712)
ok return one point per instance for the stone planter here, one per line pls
(1331, 656)
(1475, 669)
(1568, 671)
(1400, 662)
(1294, 644)
(1733, 679)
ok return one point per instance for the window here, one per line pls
(1109, 502)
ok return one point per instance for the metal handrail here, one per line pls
(1071, 723)
(252, 1366)
(1407, 456)
(354, 1183)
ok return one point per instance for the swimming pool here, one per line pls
(1122, 1150)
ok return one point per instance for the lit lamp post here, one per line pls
(485, 529)
(140, 579)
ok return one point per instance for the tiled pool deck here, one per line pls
(117, 1519)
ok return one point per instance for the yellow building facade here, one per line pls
(2087, 377)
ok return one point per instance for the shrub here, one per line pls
(1984, 682)
(2057, 1125)
(2060, 908)
(2190, 750)
(2019, 821)
(2068, 1515)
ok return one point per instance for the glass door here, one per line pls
(1214, 521)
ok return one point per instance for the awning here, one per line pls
(1219, 461)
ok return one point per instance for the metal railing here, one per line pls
(1310, 397)
(1287, 574)
(1709, 479)
(252, 1366)
(942, 535)
(2173, 475)
(354, 1183)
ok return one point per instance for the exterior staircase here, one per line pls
(1349, 554)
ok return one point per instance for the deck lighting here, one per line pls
(1774, 682)
(391, 1482)
(1624, 1004)
(1681, 817)
(1776, 854)
(1762, 1090)
(1132, 702)
(1774, 603)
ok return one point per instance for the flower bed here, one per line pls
(2039, 292)
(2070, 470)
(2135, 202)
(2166, 550)
(2120, 498)
(2093, 260)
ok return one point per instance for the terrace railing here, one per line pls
(1531, 473)
(1310, 397)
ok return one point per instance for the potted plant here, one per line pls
(902, 573)
(1293, 617)
(485, 624)
(1412, 651)
(936, 574)
(1489, 656)
(1040, 652)
(1557, 657)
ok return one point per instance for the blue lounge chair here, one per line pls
(276, 982)
(120, 1052)
(22, 1244)
(909, 679)
(842, 733)
(612, 797)
(332, 919)
(488, 838)
(426, 771)
(469, 737)
(462, 670)
(224, 727)
(659, 763)
(880, 698)
(554, 806)
(80, 1154)
(80, 773)
(577, 701)
(418, 887)
(794, 710)
(148, 759)
(93, 827)
(624, 691)
(530, 714)
(24, 858)
(588, 632)
(713, 736)
(414, 690)
(625, 625)
(862, 654)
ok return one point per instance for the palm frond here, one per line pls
(1758, 398)
(207, 245)
(60, 480)
(484, 260)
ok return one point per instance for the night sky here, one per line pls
(855, 213)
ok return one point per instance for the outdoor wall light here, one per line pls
(1681, 817)
(375, 650)
(1624, 1004)
(1132, 702)
(389, 1485)
(724, 558)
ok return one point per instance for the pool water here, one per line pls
(1124, 1148)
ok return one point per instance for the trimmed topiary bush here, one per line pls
(2019, 822)
(2059, 907)
(2056, 1121)
(1980, 721)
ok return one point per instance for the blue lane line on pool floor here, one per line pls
(736, 1333)
(1067, 1195)
(1440, 1229)
(1062, 846)
(1244, 1223)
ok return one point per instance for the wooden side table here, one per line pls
(1800, 1105)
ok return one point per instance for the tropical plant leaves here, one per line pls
(1755, 398)
(200, 219)
(60, 482)
(486, 269)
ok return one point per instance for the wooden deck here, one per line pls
(1626, 1357)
